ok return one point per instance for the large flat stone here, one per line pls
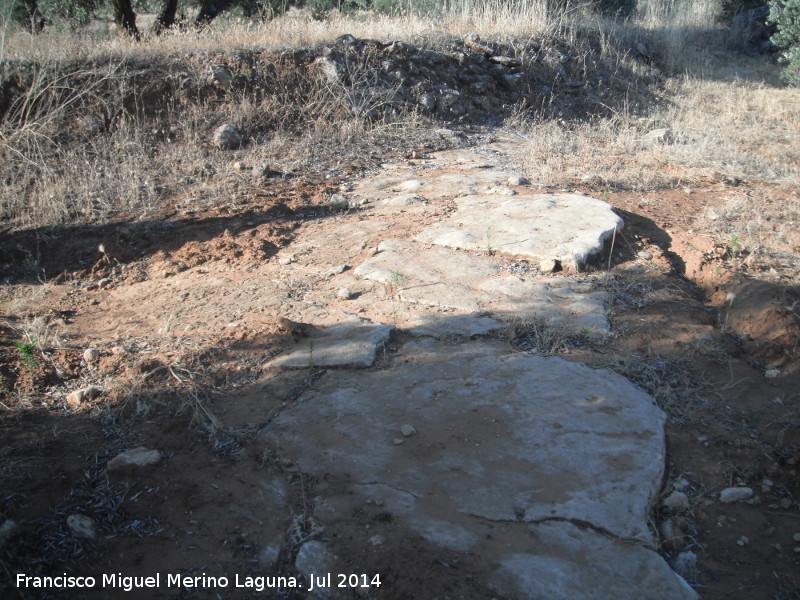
(544, 468)
(580, 564)
(504, 438)
(569, 228)
(449, 279)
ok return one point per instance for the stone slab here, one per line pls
(569, 228)
(352, 343)
(515, 438)
(572, 563)
(448, 279)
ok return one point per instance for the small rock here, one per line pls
(6, 531)
(90, 355)
(227, 137)
(644, 255)
(676, 501)
(671, 535)
(138, 457)
(796, 537)
(398, 441)
(660, 136)
(735, 494)
(681, 484)
(407, 430)
(118, 350)
(268, 557)
(344, 294)
(685, 564)
(704, 337)
(743, 541)
(766, 485)
(501, 191)
(376, 540)
(82, 525)
(221, 77)
(338, 270)
(338, 202)
(315, 557)
(772, 373)
(548, 265)
(517, 180)
(239, 166)
(286, 260)
(78, 397)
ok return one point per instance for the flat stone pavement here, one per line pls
(543, 469)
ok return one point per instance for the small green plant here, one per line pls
(27, 352)
(735, 248)
(396, 279)
(311, 345)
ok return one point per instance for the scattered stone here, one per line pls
(339, 202)
(672, 537)
(345, 294)
(517, 180)
(118, 350)
(743, 541)
(268, 557)
(138, 457)
(239, 166)
(407, 430)
(78, 397)
(338, 270)
(685, 564)
(90, 355)
(315, 557)
(796, 537)
(6, 531)
(227, 137)
(376, 540)
(644, 255)
(548, 265)
(735, 494)
(660, 136)
(221, 77)
(82, 525)
(398, 441)
(681, 484)
(772, 373)
(91, 123)
(286, 260)
(676, 501)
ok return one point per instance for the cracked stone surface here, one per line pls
(517, 439)
(569, 228)
(448, 279)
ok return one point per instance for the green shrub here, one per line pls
(785, 14)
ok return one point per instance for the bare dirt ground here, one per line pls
(712, 335)
(184, 308)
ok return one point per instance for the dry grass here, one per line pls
(735, 129)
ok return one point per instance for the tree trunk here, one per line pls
(209, 11)
(166, 18)
(125, 18)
